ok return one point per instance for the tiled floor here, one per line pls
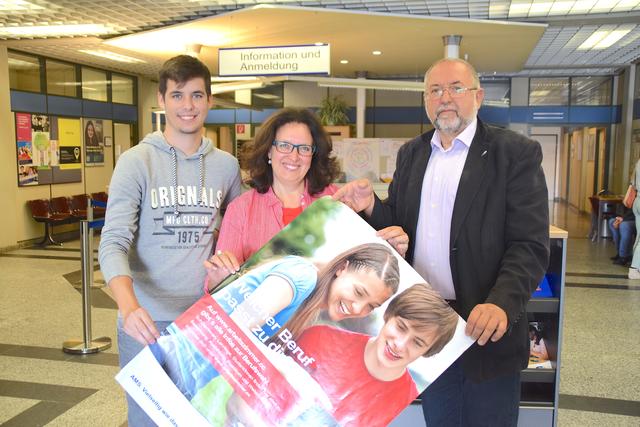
(40, 307)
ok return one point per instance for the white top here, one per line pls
(439, 189)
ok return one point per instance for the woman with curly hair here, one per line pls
(290, 166)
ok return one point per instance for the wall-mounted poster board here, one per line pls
(27, 166)
(371, 158)
(94, 142)
(48, 149)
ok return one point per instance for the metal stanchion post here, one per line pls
(86, 345)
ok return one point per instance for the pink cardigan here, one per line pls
(252, 219)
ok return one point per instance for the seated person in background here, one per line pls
(366, 378)
(623, 230)
(538, 348)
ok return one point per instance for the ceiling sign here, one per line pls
(274, 60)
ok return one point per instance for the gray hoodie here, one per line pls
(162, 210)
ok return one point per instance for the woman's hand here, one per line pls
(219, 266)
(396, 237)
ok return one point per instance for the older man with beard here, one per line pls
(473, 199)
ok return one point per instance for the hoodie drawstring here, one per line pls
(201, 181)
(174, 160)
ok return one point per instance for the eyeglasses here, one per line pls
(285, 147)
(453, 91)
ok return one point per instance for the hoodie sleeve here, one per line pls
(121, 220)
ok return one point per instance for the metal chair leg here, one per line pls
(48, 236)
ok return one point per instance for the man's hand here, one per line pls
(396, 237)
(486, 321)
(358, 195)
(136, 321)
(140, 326)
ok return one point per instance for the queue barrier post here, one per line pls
(87, 345)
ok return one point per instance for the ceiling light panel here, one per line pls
(559, 46)
(626, 5)
(28, 31)
(19, 6)
(540, 8)
(611, 38)
(112, 56)
(582, 6)
(561, 7)
(519, 9)
(603, 6)
(499, 9)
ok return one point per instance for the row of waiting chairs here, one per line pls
(64, 210)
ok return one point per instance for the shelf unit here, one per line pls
(540, 387)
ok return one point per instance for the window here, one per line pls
(122, 89)
(61, 78)
(94, 84)
(549, 91)
(591, 90)
(497, 92)
(24, 72)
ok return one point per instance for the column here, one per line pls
(361, 106)
(451, 46)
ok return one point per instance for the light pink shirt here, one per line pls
(252, 219)
(439, 189)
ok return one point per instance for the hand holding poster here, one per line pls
(325, 325)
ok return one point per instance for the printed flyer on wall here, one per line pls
(326, 325)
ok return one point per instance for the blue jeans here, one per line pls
(454, 400)
(623, 237)
(128, 348)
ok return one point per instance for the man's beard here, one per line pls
(450, 126)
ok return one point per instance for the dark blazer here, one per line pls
(499, 233)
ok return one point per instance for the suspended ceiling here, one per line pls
(501, 37)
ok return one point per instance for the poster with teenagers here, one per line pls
(326, 325)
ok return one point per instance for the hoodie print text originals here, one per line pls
(162, 210)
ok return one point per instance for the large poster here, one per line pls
(27, 170)
(70, 141)
(93, 142)
(325, 326)
(48, 149)
(35, 150)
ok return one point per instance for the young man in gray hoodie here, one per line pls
(164, 203)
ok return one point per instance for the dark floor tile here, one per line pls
(600, 404)
(46, 392)
(59, 258)
(609, 276)
(56, 249)
(602, 286)
(33, 352)
(39, 414)
(56, 354)
(101, 300)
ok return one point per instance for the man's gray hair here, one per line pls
(472, 70)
